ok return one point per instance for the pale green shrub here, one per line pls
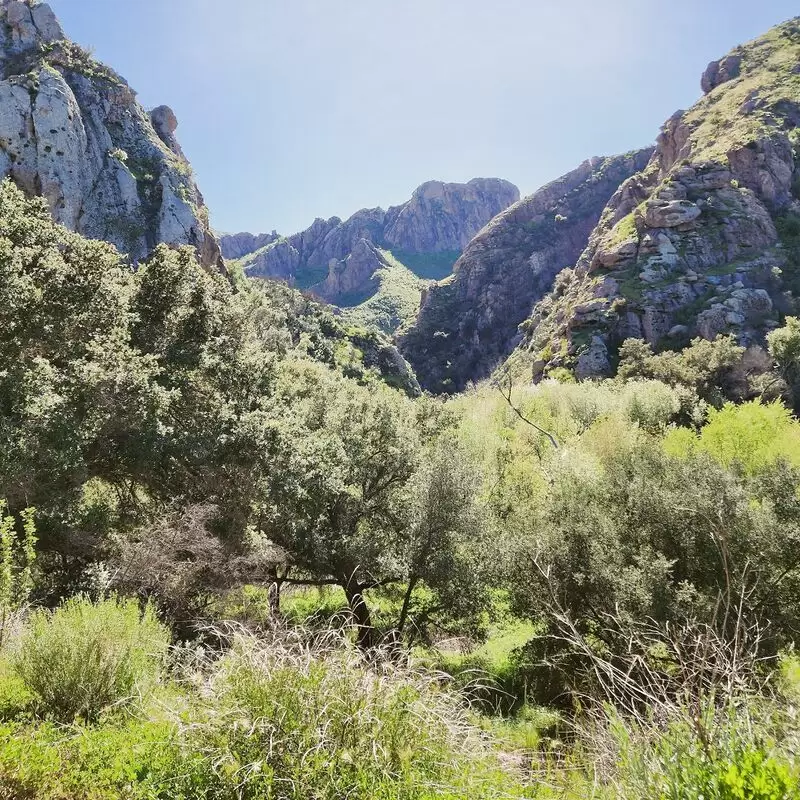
(84, 657)
(650, 404)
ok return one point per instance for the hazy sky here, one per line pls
(293, 109)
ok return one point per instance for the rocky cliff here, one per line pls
(237, 245)
(72, 131)
(468, 323)
(336, 259)
(705, 240)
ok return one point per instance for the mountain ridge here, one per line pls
(437, 221)
(468, 322)
(704, 240)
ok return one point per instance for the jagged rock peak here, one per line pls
(27, 25)
(703, 241)
(236, 245)
(445, 216)
(331, 257)
(72, 131)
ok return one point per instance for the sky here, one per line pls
(296, 109)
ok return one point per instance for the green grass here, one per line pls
(287, 717)
(394, 304)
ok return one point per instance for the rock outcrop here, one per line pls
(331, 258)
(468, 323)
(705, 240)
(236, 245)
(72, 131)
(445, 216)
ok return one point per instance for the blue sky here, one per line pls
(292, 109)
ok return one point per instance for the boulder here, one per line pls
(719, 72)
(670, 213)
(712, 322)
(594, 361)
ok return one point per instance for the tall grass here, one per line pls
(281, 716)
(316, 719)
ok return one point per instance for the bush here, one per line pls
(650, 404)
(84, 657)
(737, 764)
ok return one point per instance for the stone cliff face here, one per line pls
(331, 258)
(72, 131)
(445, 216)
(705, 240)
(468, 323)
(236, 245)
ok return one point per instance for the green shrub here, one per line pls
(650, 404)
(751, 437)
(736, 764)
(84, 657)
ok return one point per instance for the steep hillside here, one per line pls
(706, 239)
(337, 260)
(72, 131)
(468, 323)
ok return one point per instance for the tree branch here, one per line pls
(507, 395)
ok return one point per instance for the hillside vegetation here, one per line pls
(338, 589)
(244, 557)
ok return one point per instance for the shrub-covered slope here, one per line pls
(706, 239)
(468, 322)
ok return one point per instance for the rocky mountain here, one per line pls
(236, 245)
(72, 131)
(468, 322)
(705, 240)
(336, 259)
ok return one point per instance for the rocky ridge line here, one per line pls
(72, 131)
(335, 258)
(705, 240)
(469, 323)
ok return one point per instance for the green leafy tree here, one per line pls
(349, 500)
(711, 369)
(784, 346)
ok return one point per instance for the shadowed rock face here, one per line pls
(469, 323)
(440, 217)
(705, 240)
(72, 131)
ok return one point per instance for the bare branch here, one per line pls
(506, 392)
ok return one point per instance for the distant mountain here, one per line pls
(705, 239)
(343, 262)
(72, 131)
(468, 323)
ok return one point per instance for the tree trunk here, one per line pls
(401, 622)
(275, 598)
(365, 632)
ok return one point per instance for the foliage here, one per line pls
(283, 717)
(16, 562)
(349, 497)
(707, 368)
(82, 658)
(751, 437)
(394, 304)
(784, 346)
